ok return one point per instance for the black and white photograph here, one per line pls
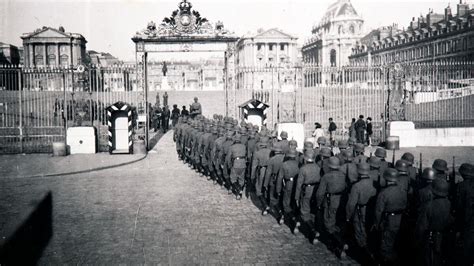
(237, 132)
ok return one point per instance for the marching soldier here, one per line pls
(342, 145)
(349, 168)
(251, 147)
(236, 160)
(271, 175)
(328, 196)
(306, 185)
(412, 171)
(403, 178)
(360, 195)
(203, 146)
(323, 163)
(284, 144)
(390, 206)
(374, 173)
(359, 149)
(222, 158)
(433, 220)
(382, 154)
(441, 167)
(259, 168)
(286, 179)
(465, 212)
(207, 156)
(423, 192)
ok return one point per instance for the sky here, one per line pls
(108, 25)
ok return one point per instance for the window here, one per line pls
(259, 46)
(39, 60)
(51, 60)
(351, 29)
(64, 60)
(333, 57)
(270, 47)
(282, 47)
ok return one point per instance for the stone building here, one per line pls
(431, 38)
(9, 54)
(53, 47)
(334, 36)
(267, 48)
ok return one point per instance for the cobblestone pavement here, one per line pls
(155, 211)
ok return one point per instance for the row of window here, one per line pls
(51, 60)
(270, 46)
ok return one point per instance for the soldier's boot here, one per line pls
(281, 219)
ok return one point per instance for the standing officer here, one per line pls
(465, 212)
(390, 206)
(175, 114)
(236, 160)
(306, 185)
(433, 219)
(360, 195)
(259, 169)
(360, 127)
(286, 179)
(271, 175)
(333, 184)
(196, 108)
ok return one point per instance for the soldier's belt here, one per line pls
(310, 184)
(289, 179)
(239, 158)
(358, 206)
(334, 194)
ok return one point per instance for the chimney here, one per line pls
(462, 9)
(447, 13)
(412, 23)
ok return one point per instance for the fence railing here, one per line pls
(38, 104)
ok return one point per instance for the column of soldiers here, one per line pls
(379, 212)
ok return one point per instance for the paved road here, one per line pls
(156, 211)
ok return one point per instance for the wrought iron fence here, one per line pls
(38, 104)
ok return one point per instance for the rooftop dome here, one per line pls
(339, 10)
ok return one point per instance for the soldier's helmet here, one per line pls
(308, 145)
(440, 165)
(293, 143)
(274, 134)
(408, 157)
(229, 134)
(466, 170)
(375, 162)
(221, 132)
(363, 168)
(309, 155)
(214, 130)
(292, 154)
(401, 166)
(391, 175)
(243, 131)
(381, 153)
(428, 174)
(195, 98)
(347, 155)
(343, 144)
(284, 135)
(325, 152)
(351, 141)
(277, 147)
(359, 147)
(334, 163)
(440, 187)
(322, 140)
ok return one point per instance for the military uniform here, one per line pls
(359, 196)
(271, 175)
(286, 179)
(306, 185)
(222, 158)
(433, 220)
(216, 162)
(465, 212)
(390, 206)
(236, 160)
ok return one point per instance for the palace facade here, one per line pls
(53, 47)
(431, 38)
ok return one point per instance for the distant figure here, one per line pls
(369, 131)
(184, 112)
(352, 133)
(318, 132)
(360, 127)
(164, 69)
(174, 115)
(165, 119)
(165, 99)
(332, 131)
(195, 108)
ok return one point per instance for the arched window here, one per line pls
(352, 29)
(51, 60)
(333, 57)
(39, 60)
(64, 60)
